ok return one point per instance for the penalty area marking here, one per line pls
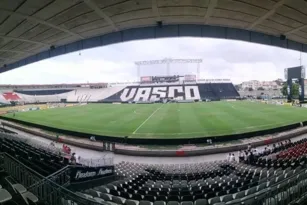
(152, 114)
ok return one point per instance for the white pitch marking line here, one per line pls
(152, 114)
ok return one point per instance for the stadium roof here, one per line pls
(32, 30)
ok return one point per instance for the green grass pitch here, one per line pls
(180, 120)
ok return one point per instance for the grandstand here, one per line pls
(215, 89)
(276, 181)
(277, 177)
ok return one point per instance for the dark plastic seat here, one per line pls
(187, 198)
(143, 202)
(173, 203)
(125, 195)
(199, 196)
(201, 202)
(161, 198)
(214, 200)
(159, 203)
(187, 203)
(114, 192)
(131, 202)
(173, 198)
(136, 197)
(149, 198)
(210, 195)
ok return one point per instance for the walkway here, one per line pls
(86, 153)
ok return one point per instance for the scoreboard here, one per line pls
(163, 79)
(145, 79)
(160, 79)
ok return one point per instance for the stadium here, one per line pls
(174, 111)
(164, 138)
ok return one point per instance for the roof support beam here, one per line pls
(16, 51)
(212, 5)
(100, 13)
(155, 9)
(267, 15)
(23, 40)
(6, 59)
(295, 30)
(39, 21)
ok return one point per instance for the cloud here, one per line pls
(222, 58)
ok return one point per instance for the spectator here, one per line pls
(249, 147)
(274, 148)
(255, 152)
(233, 158)
(265, 151)
(251, 158)
(68, 150)
(246, 156)
(228, 157)
(92, 138)
(241, 156)
(268, 149)
(73, 159)
(290, 143)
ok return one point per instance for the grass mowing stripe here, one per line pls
(179, 120)
(152, 114)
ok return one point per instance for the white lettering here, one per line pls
(101, 172)
(188, 93)
(81, 175)
(142, 94)
(171, 92)
(105, 172)
(157, 93)
(126, 95)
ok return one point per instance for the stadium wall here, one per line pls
(172, 153)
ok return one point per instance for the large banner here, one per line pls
(82, 174)
(146, 79)
(190, 77)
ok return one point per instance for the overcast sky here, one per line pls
(235, 60)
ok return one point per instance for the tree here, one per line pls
(295, 89)
(260, 88)
(250, 89)
(279, 82)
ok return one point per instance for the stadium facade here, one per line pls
(176, 90)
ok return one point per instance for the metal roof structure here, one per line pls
(33, 30)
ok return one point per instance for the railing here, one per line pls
(23, 174)
(96, 162)
(45, 188)
(61, 177)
